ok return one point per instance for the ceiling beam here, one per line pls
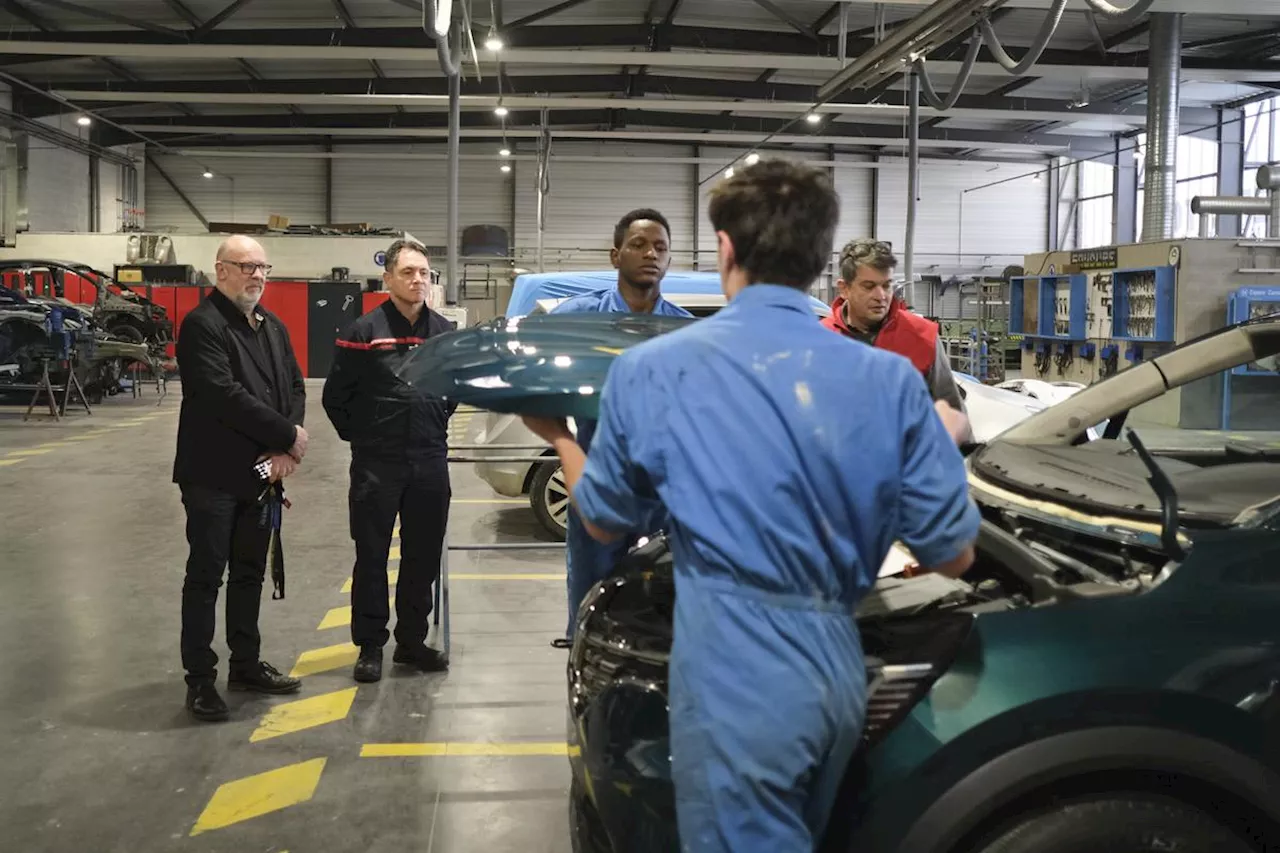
(787, 18)
(376, 124)
(980, 108)
(543, 13)
(216, 21)
(115, 18)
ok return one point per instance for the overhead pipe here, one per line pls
(913, 179)
(450, 66)
(1163, 80)
(1208, 206)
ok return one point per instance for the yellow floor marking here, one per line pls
(33, 452)
(340, 617)
(392, 576)
(490, 501)
(329, 658)
(132, 423)
(394, 553)
(55, 444)
(264, 793)
(482, 576)
(456, 749)
(86, 437)
(4, 462)
(304, 714)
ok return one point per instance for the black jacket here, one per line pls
(369, 405)
(237, 401)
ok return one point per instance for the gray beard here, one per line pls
(245, 302)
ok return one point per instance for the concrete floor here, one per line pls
(99, 752)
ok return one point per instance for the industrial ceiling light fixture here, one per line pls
(504, 151)
(500, 111)
(494, 42)
(84, 121)
(753, 158)
(505, 167)
(813, 118)
(208, 176)
(728, 173)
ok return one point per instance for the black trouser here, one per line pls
(417, 490)
(221, 529)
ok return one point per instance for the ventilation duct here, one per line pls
(1163, 76)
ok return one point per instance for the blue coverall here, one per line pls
(790, 460)
(587, 561)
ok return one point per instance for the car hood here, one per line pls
(552, 365)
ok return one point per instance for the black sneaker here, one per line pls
(421, 657)
(205, 704)
(262, 677)
(369, 664)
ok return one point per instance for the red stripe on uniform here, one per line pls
(379, 343)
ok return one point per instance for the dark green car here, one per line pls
(1104, 679)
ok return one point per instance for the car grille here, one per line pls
(603, 662)
(891, 692)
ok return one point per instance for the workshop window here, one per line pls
(1261, 146)
(1197, 174)
(1095, 211)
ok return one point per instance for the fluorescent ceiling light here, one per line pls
(493, 43)
(500, 111)
(504, 152)
(84, 121)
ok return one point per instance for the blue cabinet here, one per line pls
(1245, 304)
(1061, 306)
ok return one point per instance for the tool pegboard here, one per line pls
(1063, 307)
(1142, 304)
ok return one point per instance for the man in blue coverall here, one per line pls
(790, 461)
(641, 253)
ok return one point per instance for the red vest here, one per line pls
(902, 332)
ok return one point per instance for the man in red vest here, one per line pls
(867, 310)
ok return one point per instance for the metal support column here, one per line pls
(95, 193)
(1054, 179)
(1125, 194)
(1230, 166)
(913, 180)
(1163, 80)
(697, 201)
(455, 119)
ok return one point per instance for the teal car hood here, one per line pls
(552, 365)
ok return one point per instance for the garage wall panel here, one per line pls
(412, 194)
(588, 197)
(243, 189)
(57, 184)
(992, 225)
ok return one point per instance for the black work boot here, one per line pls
(204, 703)
(421, 657)
(369, 665)
(262, 677)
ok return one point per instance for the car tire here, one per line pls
(128, 332)
(1117, 824)
(550, 499)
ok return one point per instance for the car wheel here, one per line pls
(128, 332)
(1119, 824)
(549, 498)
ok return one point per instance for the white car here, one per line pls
(1049, 392)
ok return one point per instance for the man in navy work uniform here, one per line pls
(790, 460)
(641, 253)
(399, 443)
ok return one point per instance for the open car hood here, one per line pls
(552, 365)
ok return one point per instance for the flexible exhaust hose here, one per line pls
(1022, 66)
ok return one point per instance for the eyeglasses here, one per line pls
(249, 268)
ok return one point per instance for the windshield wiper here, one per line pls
(1168, 496)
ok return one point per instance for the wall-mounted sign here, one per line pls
(1096, 259)
(380, 258)
(1053, 269)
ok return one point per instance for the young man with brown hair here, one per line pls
(790, 460)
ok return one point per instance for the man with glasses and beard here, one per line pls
(399, 437)
(243, 402)
(641, 254)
